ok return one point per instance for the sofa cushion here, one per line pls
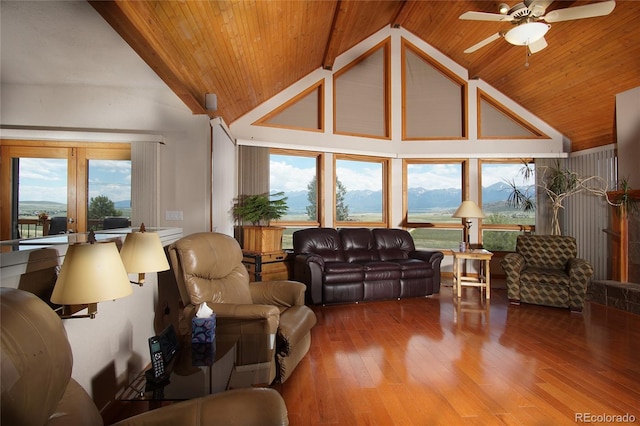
(377, 270)
(343, 272)
(358, 244)
(413, 268)
(545, 276)
(393, 243)
(325, 242)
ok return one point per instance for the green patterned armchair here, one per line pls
(544, 270)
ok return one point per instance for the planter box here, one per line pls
(262, 239)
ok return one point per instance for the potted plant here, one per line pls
(559, 183)
(258, 211)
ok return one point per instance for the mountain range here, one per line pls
(420, 199)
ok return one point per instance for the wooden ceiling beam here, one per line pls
(334, 40)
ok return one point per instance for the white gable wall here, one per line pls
(249, 134)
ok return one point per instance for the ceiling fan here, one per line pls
(531, 23)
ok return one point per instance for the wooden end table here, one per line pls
(460, 278)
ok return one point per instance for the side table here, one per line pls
(460, 278)
(266, 266)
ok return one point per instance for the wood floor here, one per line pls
(428, 361)
(421, 362)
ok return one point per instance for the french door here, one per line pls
(53, 187)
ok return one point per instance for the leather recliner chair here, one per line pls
(208, 269)
(37, 388)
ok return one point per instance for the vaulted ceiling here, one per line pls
(247, 51)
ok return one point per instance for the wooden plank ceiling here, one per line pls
(248, 51)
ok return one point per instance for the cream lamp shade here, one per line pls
(91, 273)
(143, 252)
(469, 209)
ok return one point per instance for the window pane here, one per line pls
(499, 240)
(295, 176)
(498, 181)
(109, 194)
(434, 192)
(359, 195)
(433, 238)
(42, 195)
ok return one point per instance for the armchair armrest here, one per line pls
(308, 269)
(238, 318)
(279, 293)
(434, 258)
(579, 271)
(513, 264)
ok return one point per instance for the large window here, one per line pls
(361, 188)
(53, 187)
(433, 190)
(502, 180)
(296, 174)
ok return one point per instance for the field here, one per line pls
(443, 239)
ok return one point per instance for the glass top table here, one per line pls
(232, 361)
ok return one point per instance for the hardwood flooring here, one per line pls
(428, 361)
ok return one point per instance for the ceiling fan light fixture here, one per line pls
(526, 33)
(503, 8)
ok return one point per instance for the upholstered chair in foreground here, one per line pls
(544, 270)
(37, 388)
(208, 269)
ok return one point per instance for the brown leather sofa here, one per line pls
(208, 269)
(359, 264)
(37, 388)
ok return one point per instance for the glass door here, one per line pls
(42, 207)
(56, 187)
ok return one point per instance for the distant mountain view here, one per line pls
(420, 199)
(32, 208)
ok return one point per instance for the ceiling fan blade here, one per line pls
(580, 12)
(483, 43)
(483, 16)
(537, 7)
(537, 45)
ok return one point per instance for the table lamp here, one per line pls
(468, 210)
(143, 252)
(91, 272)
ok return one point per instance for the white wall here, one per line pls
(628, 128)
(113, 346)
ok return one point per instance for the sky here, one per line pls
(45, 179)
(293, 173)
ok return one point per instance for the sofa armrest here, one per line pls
(309, 269)
(278, 293)
(513, 264)
(434, 258)
(239, 318)
(579, 271)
